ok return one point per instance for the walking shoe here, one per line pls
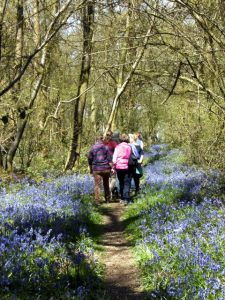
(136, 193)
(115, 193)
(129, 203)
(124, 202)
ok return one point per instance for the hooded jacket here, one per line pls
(121, 156)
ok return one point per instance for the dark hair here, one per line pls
(109, 133)
(124, 138)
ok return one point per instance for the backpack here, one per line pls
(132, 161)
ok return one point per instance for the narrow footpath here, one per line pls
(122, 277)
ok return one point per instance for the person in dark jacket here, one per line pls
(116, 137)
(111, 144)
(137, 172)
(100, 162)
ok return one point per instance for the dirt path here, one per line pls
(122, 277)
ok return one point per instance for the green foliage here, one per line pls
(178, 158)
(82, 165)
(44, 167)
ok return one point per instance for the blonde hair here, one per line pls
(132, 137)
(136, 134)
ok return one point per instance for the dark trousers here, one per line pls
(124, 177)
(137, 173)
(100, 176)
(136, 178)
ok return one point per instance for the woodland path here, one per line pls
(122, 276)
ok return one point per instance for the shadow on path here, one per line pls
(122, 276)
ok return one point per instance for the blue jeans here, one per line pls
(124, 177)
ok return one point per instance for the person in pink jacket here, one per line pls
(120, 160)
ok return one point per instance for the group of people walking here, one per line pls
(116, 157)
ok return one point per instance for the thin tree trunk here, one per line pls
(37, 29)
(123, 59)
(2, 15)
(1, 158)
(16, 90)
(121, 90)
(93, 112)
(88, 19)
(53, 28)
(23, 122)
(18, 48)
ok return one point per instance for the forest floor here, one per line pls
(122, 276)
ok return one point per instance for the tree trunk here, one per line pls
(123, 59)
(16, 90)
(22, 122)
(52, 29)
(2, 15)
(1, 158)
(88, 19)
(18, 48)
(126, 81)
(93, 112)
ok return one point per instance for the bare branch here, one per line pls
(48, 36)
(84, 92)
(206, 90)
(174, 84)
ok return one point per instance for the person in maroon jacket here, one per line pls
(111, 144)
(100, 163)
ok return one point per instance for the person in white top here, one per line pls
(138, 139)
(137, 172)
